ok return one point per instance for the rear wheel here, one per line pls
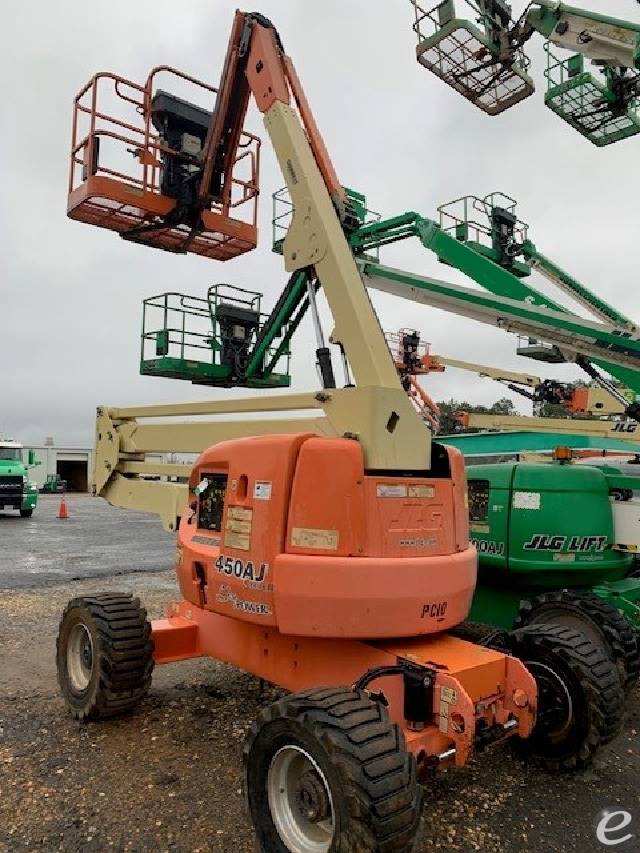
(580, 700)
(26, 513)
(326, 771)
(104, 655)
(599, 621)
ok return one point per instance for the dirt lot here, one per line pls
(168, 777)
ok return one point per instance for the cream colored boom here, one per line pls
(488, 372)
(125, 436)
(626, 430)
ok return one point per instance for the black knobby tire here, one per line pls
(598, 620)
(580, 699)
(26, 513)
(104, 655)
(360, 758)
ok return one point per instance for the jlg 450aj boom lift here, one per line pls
(327, 554)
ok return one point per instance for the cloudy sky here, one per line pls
(71, 295)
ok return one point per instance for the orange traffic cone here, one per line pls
(63, 512)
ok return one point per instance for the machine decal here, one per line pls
(212, 541)
(435, 610)
(629, 426)
(262, 490)
(238, 528)
(391, 490)
(572, 544)
(526, 500)
(421, 492)
(488, 546)
(240, 513)
(226, 595)
(309, 537)
(418, 543)
(241, 541)
(448, 695)
(241, 570)
(443, 718)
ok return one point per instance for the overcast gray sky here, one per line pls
(71, 298)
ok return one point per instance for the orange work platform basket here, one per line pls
(135, 160)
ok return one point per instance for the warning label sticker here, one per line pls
(307, 537)
(391, 490)
(421, 491)
(240, 513)
(262, 490)
(448, 695)
(526, 500)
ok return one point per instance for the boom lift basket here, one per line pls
(208, 341)
(586, 103)
(135, 160)
(466, 58)
(409, 351)
(489, 226)
(282, 214)
(539, 350)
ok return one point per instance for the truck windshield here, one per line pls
(10, 453)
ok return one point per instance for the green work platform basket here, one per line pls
(587, 103)
(468, 60)
(490, 227)
(211, 341)
(282, 207)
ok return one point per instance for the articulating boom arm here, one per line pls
(375, 411)
(577, 399)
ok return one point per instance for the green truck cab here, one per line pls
(540, 528)
(17, 492)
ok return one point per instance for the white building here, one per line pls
(73, 464)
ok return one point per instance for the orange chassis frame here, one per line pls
(462, 670)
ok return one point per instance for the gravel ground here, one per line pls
(168, 776)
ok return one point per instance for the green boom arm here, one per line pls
(599, 37)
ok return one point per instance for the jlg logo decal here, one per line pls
(435, 610)
(579, 544)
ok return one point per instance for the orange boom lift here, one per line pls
(326, 554)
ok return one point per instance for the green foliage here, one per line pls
(448, 409)
(550, 410)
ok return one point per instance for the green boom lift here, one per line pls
(547, 539)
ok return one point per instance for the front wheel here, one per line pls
(580, 699)
(104, 655)
(327, 772)
(26, 513)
